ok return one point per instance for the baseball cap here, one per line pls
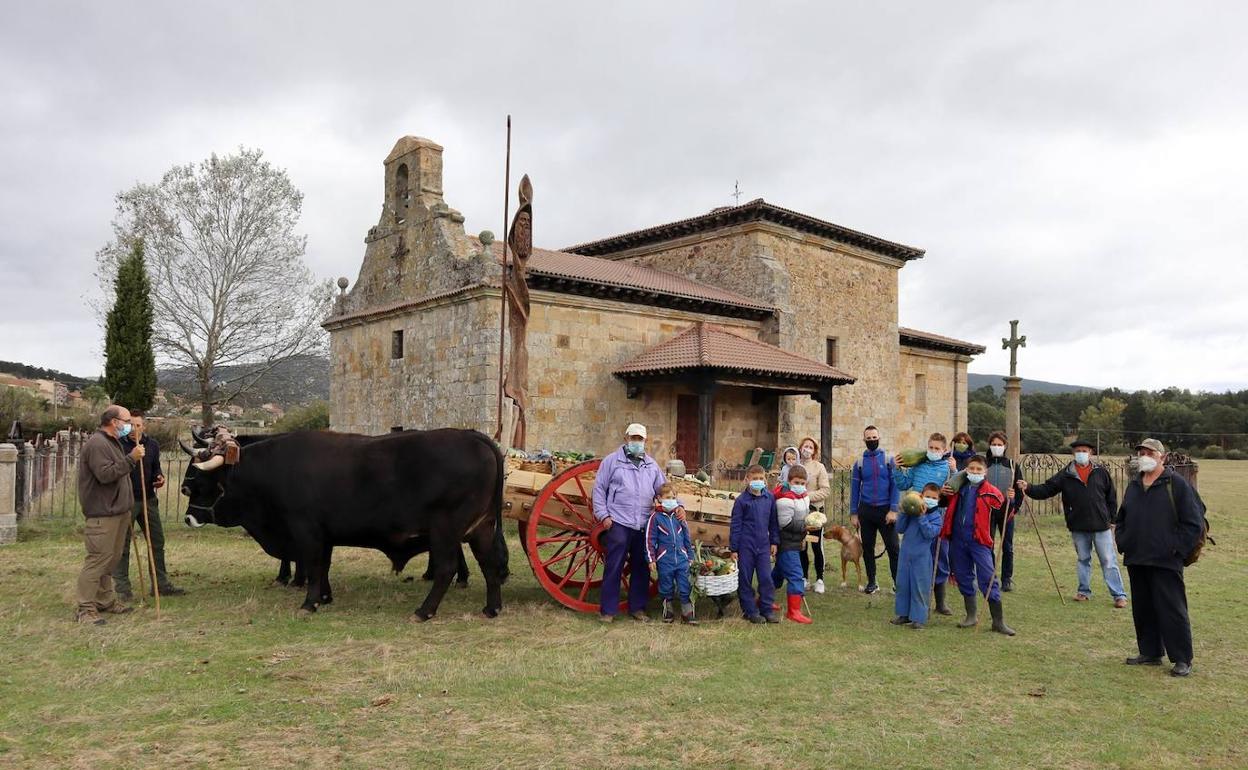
(636, 429)
(1153, 444)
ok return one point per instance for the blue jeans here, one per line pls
(788, 569)
(1103, 541)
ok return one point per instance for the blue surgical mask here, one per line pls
(974, 478)
(757, 485)
(797, 489)
(934, 456)
(1082, 458)
(636, 448)
(930, 502)
(125, 429)
(669, 505)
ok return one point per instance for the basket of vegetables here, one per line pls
(564, 460)
(713, 575)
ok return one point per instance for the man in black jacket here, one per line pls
(153, 479)
(1158, 525)
(1090, 502)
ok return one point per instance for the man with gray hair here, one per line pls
(1160, 522)
(106, 497)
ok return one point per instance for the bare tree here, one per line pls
(229, 285)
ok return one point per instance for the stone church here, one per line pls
(750, 325)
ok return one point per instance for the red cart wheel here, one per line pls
(563, 541)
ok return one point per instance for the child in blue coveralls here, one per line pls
(933, 470)
(968, 528)
(753, 535)
(670, 550)
(914, 574)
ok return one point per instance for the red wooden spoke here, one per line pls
(573, 569)
(560, 539)
(574, 509)
(569, 554)
(554, 521)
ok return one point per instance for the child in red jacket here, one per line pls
(968, 528)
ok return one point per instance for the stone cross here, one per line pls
(1013, 344)
(736, 192)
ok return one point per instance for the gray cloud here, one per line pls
(1069, 164)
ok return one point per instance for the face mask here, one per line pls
(1147, 464)
(125, 429)
(997, 450)
(960, 447)
(670, 505)
(935, 456)
(636, 448)
(1082, 458)
(757, 485)
(807, 453)
(930, 502)
(797, 489)
(872, 444)
(974, 478)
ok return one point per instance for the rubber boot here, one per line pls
(972, 611)
(998, 621)
(795, 610)
(686, 613)
(941, 607)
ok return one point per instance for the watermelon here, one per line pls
(912, 457)
(956, 481)
(912, 504)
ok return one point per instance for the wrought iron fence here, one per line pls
(1038, 468)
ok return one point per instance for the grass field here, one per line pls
(229, 677)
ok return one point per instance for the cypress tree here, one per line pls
(129, 365)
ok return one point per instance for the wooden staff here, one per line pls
(1032, 515)
(502, 313)
(147, 535)
(138, 561)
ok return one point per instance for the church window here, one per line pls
(402, 194)
(396, 344)
(832, 351)
(920, 391)
(563, 341)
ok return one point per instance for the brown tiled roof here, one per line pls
(580, 274)
(917, 339)
(706, 346)
(754, 211)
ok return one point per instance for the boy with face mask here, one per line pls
(753, 537)
(792, 507)
(933, 470)
(914, 578)
(1004, 474)
(1089, 502)
(670, 551)
(968, 528)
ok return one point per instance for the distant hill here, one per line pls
(299, 380)
(28, 372)
(977, 381)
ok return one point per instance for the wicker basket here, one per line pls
(718, 585)
(563, 465)
(534, 467)
(687, 487)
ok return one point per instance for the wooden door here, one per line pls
(687, 446)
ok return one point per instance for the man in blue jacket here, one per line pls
(625, 488)
(873, 497)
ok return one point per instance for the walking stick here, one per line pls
(1032, 515)
(138, 561)
(147, 535)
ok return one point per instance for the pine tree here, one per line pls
(130, 366)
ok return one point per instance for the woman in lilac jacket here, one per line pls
(624, 491)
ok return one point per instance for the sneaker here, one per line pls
(89, 618)
(116, 608)
(900, 620)
(668, 615)
(916, 625)
(1142, 660)
(819, 586)
(1181, 669)
(755, 619)
(1120, 602)
(174, 591)
(639, 616)
(606, 618)
(772, 618)
(1008, 585)
(871, 588)
(1081, 597)
(126, 595)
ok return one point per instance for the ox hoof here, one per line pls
(490, 612)
(418, 618)
(304, 612)
(327, 600)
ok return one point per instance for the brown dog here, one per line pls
(851, 551)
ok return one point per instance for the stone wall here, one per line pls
(940, 407)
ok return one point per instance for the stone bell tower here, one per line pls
(413, 180)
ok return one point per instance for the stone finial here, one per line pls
(486, 237)
(342, 284)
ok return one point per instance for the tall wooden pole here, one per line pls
(502, 313)
(147, 535)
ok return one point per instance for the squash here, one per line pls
(912, 457)
(912, 504)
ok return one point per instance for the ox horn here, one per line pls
(211, 464)
(186, 448)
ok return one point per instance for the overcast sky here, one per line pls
(1079, 166)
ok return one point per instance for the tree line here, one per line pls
(1210, 425)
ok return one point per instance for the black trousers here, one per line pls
(871, 521)
(1159, 607)
(1007, 546)
(805, 557)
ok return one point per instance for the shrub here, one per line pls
(314, 416)
(1236, 454)
(1213, 452)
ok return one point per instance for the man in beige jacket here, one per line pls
(105, 493)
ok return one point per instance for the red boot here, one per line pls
(795, 610)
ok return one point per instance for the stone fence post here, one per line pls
(8, 494)
(25, 477)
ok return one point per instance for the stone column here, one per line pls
(8, 494)
(25, 477)
(1014, 415)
